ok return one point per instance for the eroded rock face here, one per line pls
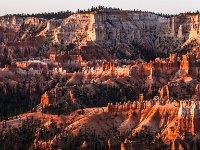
(77, 77)
(97, 121)
(120, 33)
(78, 28)
(188, 117)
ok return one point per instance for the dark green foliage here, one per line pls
(103, 95)
(21, 99)
(147, 139)
(147, 54)
(47, 134)
(191, 13)
(16, 102)
(70, 47)
(21, 138)
(50, 15)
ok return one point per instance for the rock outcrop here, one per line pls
(120, 33)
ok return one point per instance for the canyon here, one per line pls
(100, 79)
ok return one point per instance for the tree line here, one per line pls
(46, 15)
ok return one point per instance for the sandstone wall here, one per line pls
(146, 29)
(114, 33)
